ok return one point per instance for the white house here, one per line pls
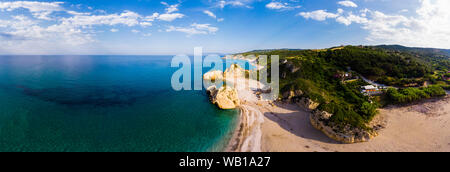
(370, 90)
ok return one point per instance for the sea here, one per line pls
(105, 104)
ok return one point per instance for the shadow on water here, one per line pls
(90, 95)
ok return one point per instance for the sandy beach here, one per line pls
(423, 126)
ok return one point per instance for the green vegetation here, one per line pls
(314, 73)
(408, 95)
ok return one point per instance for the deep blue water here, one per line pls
(104, 103)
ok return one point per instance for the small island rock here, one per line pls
(225, 97)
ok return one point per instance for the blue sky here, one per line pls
(219, 26)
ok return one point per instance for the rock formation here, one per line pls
(320, 121)
(298, 98)
(225, 97)
(289, 96)
(234, 71)
(213, 75)
(307, 103)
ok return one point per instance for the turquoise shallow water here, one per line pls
(104, 103)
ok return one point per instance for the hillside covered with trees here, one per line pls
(316, 75)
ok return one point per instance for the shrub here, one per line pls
(408, 95)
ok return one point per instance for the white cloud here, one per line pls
(171, 8)
(234, 3)
(280, 6)
(210, 14)
(28, 34)
(145, 24)
(319, 15)
(152, 17)
(189, 31)
(351, 18)
(127, 18)
(429, 27)
(348, 4)
(77, 13)
(194, 29)
(135, 31)
(170, 17)
(40, 10)
(205, 27)
(25, 36)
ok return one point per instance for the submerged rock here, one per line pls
(225, 97)
(320, 121)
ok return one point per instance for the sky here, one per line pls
(155, 27)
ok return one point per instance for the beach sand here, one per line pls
(424, 126)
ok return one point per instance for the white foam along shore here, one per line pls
(248, 133)
(247, 136)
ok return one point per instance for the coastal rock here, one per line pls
(288, 95)
(298, 93)
(213, 75)
(212, 91)
(323, 115)
(320, 121)
(234, 71)
(308, 104)
(225, 97)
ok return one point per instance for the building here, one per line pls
(371, 90)
(346, 76)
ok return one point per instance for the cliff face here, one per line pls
(297, 97)
(225, 97)
(320, 120)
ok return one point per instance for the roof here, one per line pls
(369, 87)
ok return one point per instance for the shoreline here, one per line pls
(247, 133)
(416, 127)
